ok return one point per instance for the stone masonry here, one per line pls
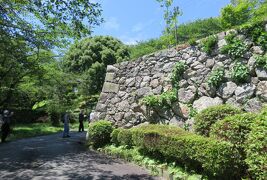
(126, 83)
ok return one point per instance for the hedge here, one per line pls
(235, 130)
(99, 133)
(125, 137)
(206, 118)
(256, 148)
(213, 157)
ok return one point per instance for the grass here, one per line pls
(156, 167)
(20, 131)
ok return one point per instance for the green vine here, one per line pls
(177, 73)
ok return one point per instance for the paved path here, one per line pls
(52, 157)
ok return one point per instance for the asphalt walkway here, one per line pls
(53, 157)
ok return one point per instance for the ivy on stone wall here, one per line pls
(261, 61)
(209, 43)
(177, 73)
(235, 47)
(240, 72)
(216, 77)
(163, 100)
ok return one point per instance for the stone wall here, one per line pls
(126, 83)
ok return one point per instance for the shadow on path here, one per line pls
(54, 157)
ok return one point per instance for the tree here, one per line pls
(27, 27)
(48, 23)
(89, 58)
(102, 49)
(243, 11)
(170, 17)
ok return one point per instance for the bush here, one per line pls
(216, 77)
(209, 116)
(235, 130)
(99, 133)
(114, 136)
(177, 73)
(125, 137)
(257, 33)
(240, 72)
(261, 61)
(235, 48)
(256, 148)
(215, 158)
(209, 44)
(192, 42)
(163, 100)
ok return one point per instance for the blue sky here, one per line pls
(139, 20)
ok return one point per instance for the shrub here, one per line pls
(125, 137)
(177, 73)
(240, 72)
(256, 148)
(261, 61)
(160, 101)
(209, 116)
(209, 44)
(215, 158)
(192, 42)
(257, 33)
(114, 136)
(235, 48)
(99, 133)
(216, 77)
(234, 129)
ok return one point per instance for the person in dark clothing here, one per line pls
(6, 125)
(81, 118)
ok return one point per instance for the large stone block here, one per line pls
(244, 92)
(261, 73)
(187, 95)
(226, 90)
(109, 77)
(110, 87)
(262, 90)
(205, 102)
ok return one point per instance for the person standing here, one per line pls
(66, 122)
(6, 125)
(90, 119)
(81, 118)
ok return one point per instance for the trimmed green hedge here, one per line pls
(235, 130)
(114, 136)
(125, 137)
(256, 148)
(213, 157)
(99, 133)
(206, 118)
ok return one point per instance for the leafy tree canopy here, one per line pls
(48, 23)
(103, 49)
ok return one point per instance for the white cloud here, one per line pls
(112, 24)
(131, 40)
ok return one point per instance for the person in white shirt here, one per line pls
(90, 119)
